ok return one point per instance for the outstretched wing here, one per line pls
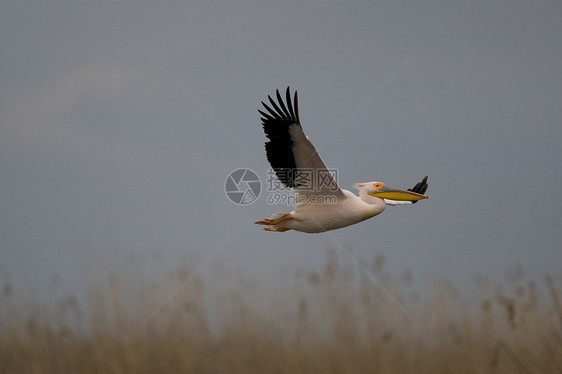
(420, 188)
(289, 151)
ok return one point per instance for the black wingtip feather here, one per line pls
(279, 112)
(277, 120)
(271, 111)
(296, 101)
(265, 115)
(289, 105)
(420, 187)
(282, 105)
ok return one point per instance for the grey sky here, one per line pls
(106, 158)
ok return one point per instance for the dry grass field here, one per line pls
(331, 321)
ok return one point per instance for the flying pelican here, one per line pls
(323, 204)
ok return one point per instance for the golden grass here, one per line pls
(330, 321)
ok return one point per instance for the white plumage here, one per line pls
(323, 205)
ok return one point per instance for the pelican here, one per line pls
(323, 205)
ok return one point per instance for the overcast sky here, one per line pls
(121, 120)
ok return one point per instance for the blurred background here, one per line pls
(121, 120)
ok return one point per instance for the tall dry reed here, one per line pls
(332, 320)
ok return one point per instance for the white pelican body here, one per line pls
(325, 206)
(349, 210)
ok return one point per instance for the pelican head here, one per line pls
(380, 190)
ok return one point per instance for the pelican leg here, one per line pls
(275, 221)
(273, 224)
(265, 221)
(283, 218)
(278, 229)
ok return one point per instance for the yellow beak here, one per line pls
(398, 195)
